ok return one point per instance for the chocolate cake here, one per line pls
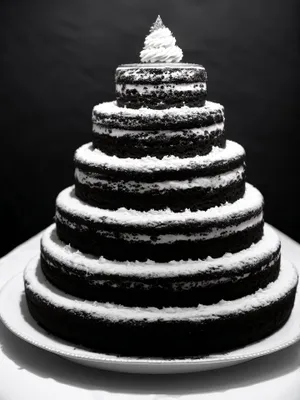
(161, 242)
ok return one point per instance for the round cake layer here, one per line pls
(160, 235)
(153, 169)
(182, 284)
(210, 180)
(157, 73)
(158, 143)
(110, 115)
(160, 86)
(178, 332)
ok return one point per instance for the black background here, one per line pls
(59, 58)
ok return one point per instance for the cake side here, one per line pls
(99, 326)
(182, 132)
(112, 116)
(196, 183)
(160, 235)
(160, 85)
(176, 283)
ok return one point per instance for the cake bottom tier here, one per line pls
(164, 333)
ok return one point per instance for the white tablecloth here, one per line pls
(27, 372)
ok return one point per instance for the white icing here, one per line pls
(238, 262)
(210, 233)
(114, 132)
(111, 108)
(175, 285)
(250, 202)
(205, 235)
(87, 155)
(37, 283)
(167, 72)
(160, 45)
(167, 87)
(213, 182)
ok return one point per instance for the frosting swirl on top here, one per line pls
(160, 45)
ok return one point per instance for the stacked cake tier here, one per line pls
(167, 332)
(196, 183)
(182, 132)
(175, 283)
(160, 235)
(160, 85)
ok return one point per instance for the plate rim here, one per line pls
(95, 357)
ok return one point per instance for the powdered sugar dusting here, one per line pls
(168, 88)
(168, 71)
(238, 262)
(213, 182)
(87, 155)
(37, 283)
(115, 132)
(111, 108)
(210, 232)
(205, 234)
(252, 201)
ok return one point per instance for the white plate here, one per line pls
(15, 315)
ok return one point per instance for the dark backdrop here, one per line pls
(58, 60)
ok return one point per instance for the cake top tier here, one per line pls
(160, 45)
(160, 80)
(159, 73)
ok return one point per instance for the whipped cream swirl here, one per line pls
(160, 45)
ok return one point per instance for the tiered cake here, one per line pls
(160, 248)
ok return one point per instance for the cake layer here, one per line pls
(153, 169)
(160, 235)
(210, 180)
(178, 332)
(161, 85)
(182, 284)
(182, 132)
(158, 143)
(157, 73)
(109, 115)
